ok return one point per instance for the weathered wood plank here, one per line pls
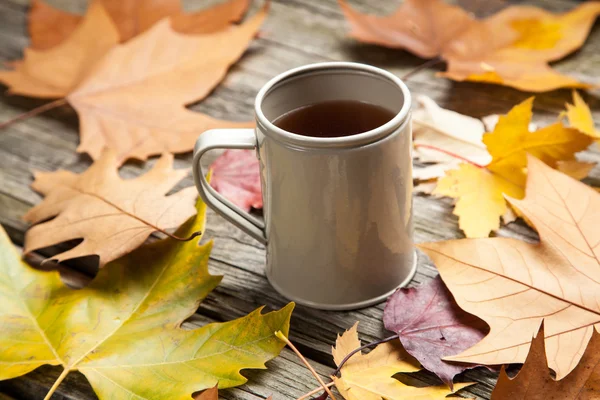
(297, 32)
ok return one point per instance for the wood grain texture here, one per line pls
(296, 32)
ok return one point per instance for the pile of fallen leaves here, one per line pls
(479, 169)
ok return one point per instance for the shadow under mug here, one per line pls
(337, 211)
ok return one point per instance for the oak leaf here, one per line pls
(56, 72)
(49, 26)
(480, 191)
(512, 47)
(432, 326)
(533, 382)
(513, 285)
(112, 215)
(123, 331)
(236, 175)
(134, 101)
(369, 376)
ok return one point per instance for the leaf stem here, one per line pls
(353, 352)
(282, 337)
(34, 112)
(451, 154)
(419, 68)
(187, 239)
(57, 383)
(314, 391)
(361, 348)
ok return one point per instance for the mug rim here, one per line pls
(344, 141)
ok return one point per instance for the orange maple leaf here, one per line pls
(512, 47)
(49, 26)
(132, 97)
(138, 107)
(56, 72)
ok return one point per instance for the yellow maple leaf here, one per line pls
(580, 117)
(480, 192)
(480, 195)
(369, 376)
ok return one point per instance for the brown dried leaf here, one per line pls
(56, 72)
(513, 285)
(49, 26)
(534, 382)
(134, 101)
(113, 216)
(512, 47)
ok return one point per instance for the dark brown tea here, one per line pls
(334, 118)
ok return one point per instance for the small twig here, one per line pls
(314, 391)
(282, 337)
(361, 348)
(34, 112)
(451, 154)
(419, 68)
(339, 368)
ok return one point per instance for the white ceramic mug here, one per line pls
(337, 211)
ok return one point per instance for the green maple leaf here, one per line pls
(123, 330)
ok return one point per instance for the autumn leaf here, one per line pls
(369, 376)
(432, 326)
(236, 175)
(112, 215)
(166, 69)
(580, 117)
(170, 71)
(56, 72)
(513, 285)
(49, 26)
(511, 48)
(480, 192)
(533, 382)
(123, 330)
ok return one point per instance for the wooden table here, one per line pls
(297, 32)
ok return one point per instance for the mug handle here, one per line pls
(226, 139)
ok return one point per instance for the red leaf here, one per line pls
(236, 175)
(431, 326)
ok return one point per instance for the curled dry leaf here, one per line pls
(444, 137)
(533, 382)
(55, 73)
(369, 376)
(513, 285)
(122, 331)
(480, 191)
(112, 215)
(236, 175)
(49, 26)
(170, 71)
(512, 47)
(432, 326)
